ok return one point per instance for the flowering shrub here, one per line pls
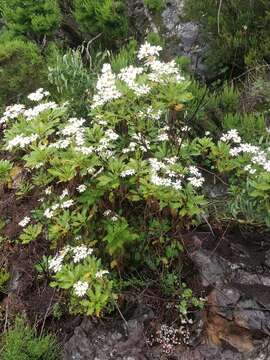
(133, 163)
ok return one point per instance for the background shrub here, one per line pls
(22, 343)
(30, 17)
(102, 16)
(234, 30)
(21, 69)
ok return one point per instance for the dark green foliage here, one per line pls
(237, 31)
(22, 343)
(21, 69)
(125, 57)
(105, 17)
(31, 17)
(155, 5)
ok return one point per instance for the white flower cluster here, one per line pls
(105, 144)
(149, 52)
(106, 87)
(257, 155)
(139, 142)
(26, 220)
(12, 112)
(31, 113)
(56, 263)
(80, 288)
(49, 212)
(163, 135)
(79, 253)
(231, 135)
(128, 172)
(165, 72)
(81, 188)
(21, 141)
(150, 113)
(101, 273)
(73, 129)
(128, 75)
(38, 95)
(161, 175)
(196, 179)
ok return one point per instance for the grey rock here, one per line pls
(213, 269)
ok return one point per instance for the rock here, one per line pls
(121, 341)
(237, 311)
(182, 38)
(212, 269)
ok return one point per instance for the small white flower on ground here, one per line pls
(81, 188)
(48, 213)
(101, 273)
(48, 190)
(80, 288)
(107, 212)
(67, 204)
(24, 221)
(64, 193)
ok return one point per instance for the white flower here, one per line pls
(35, 111)
(80, 288)
(148, 51)
(231, 135)
(194, 171)
(55, 207)
(38, 95)
(128, 172)
(81, 252)
(114, 218)
(64, 193)
(48, 190)
(55, 264)
(129, 74)
(196, 182)
(24, 221)
(67, 204)
(106, 87)
(21, 141)
(100, 273)
(107, 212)
(12, 112)
(81, 188)
(48, 213)
(162, 137)
(85, 150)
(249, 169)
(60, 144)
(74, 126)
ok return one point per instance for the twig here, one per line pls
(6, 318)
(218, 16)
(46, 314)
(122, 316)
